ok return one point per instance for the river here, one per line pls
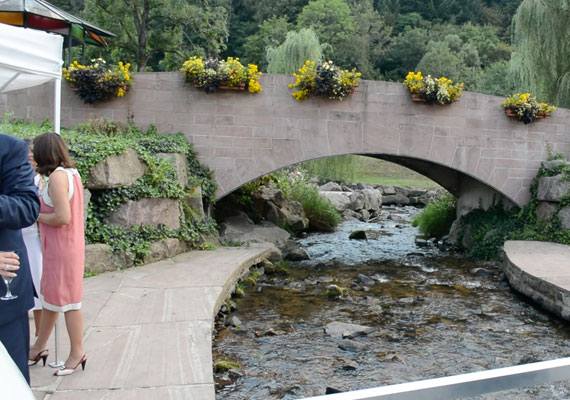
(432, 313)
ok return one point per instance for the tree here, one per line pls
(272, 33)
(335, 27)
(372, 39)
(491, 80)
(446, 59)
(541, 62)
(167, 31)
(292, 54)
(404, 54)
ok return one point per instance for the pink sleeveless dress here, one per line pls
(63, 249)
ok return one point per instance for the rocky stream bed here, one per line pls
(412, 313)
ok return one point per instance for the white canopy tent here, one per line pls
(29, 58)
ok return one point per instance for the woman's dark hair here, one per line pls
(50, 152)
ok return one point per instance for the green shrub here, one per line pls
(435, 220)
(296, 185)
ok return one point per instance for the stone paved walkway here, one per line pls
(148, 330)
(541, 271)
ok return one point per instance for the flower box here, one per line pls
(416, 97)
(432, 90)
(324, 80)
(213, 74)
(224, 86)
(526, 108)
(98, 82)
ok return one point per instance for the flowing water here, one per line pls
(433, 314)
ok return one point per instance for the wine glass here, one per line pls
(7, 280)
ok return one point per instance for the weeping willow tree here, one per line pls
(541, 63)
(297, 48)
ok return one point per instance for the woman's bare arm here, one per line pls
(58, 191)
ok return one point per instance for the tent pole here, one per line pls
(57, 106)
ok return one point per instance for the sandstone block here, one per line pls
(552, 188)
(86, 200)
(99, 257)
(163, 249)
(178, 161)
(194, 200)
(545, 211)
(564, 216)
(149, 211)
(119, 170)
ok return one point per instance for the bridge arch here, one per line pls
(470, 146)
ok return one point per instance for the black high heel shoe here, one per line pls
(42, 355)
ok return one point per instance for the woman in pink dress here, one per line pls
(63, 247)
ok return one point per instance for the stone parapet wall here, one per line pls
(242, 136)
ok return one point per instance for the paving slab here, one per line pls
(148, 330)
(541, 271)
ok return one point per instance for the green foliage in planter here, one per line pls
(96, 140)
(437, 217)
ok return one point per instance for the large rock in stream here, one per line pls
(240, 229)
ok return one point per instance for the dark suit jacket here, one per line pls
(19, 207)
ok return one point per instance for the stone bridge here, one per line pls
(470, 147)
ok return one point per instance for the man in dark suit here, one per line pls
(19, 208)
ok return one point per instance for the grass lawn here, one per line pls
(373, 171)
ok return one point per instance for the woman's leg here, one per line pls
(47, 323)
(37, 321)
(74, 323)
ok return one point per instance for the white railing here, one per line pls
(466, 385)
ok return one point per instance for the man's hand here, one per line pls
(9, 262)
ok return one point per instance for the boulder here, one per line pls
(294, 252)
(357, 200)
(195, 202)
(358, 235)
(564, 216)
(545, 210)
(350, 214)
(241, 229)
(552, 164)
(178, 161)
(269, 194)
(99, 257)
(330, 187)
(398, 198)
(339, 200)
(86, 200)
(372, 199)
(290, 214)
(402, 191)
(162, 250)
(149, 211)
(388, 190)
(553, 188)
(118, 170)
